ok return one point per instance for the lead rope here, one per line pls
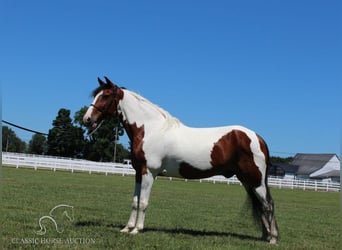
(97, 127)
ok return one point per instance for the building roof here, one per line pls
(310, 163)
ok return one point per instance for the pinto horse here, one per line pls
(162, 145)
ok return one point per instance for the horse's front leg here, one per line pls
(141, 197)
(133, 217)
(145, 191)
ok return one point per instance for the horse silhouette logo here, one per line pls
(56, 215)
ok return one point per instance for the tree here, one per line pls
(37, 144)
(64, 139)
(100, 146)
(277, 159)
(78, 118)
(11, 142)
(122, 153)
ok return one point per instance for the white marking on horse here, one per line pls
(90, 110)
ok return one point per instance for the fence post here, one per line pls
(18, 162)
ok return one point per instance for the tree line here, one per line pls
(68, 138)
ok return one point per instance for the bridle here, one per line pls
(104, 111)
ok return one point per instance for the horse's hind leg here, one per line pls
(263, 209)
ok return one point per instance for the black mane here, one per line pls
(100, 88)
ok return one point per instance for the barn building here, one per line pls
(317, 166)
(309, 166)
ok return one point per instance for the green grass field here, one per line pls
(181, 215)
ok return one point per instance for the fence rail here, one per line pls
(56, 163)
(68, 164)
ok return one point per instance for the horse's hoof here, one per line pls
(125, 230)
(134, 231)
(273, 240)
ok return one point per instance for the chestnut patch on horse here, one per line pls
(189, 172)
(230, 155)
(233, 155)
(136, 135)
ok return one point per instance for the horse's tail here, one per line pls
(267, 161)
(255, 204)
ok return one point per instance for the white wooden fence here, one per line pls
(67, 164)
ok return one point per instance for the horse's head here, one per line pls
(106, 99)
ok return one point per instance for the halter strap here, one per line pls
(97, 108)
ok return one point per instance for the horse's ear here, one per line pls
(109, 81)
(100, 81)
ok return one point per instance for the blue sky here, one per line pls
(272, 66)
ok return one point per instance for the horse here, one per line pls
(162, 145)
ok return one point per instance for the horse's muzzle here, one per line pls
(89, 123)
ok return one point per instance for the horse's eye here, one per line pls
(105, 97)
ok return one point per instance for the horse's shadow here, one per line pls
(173, 231)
